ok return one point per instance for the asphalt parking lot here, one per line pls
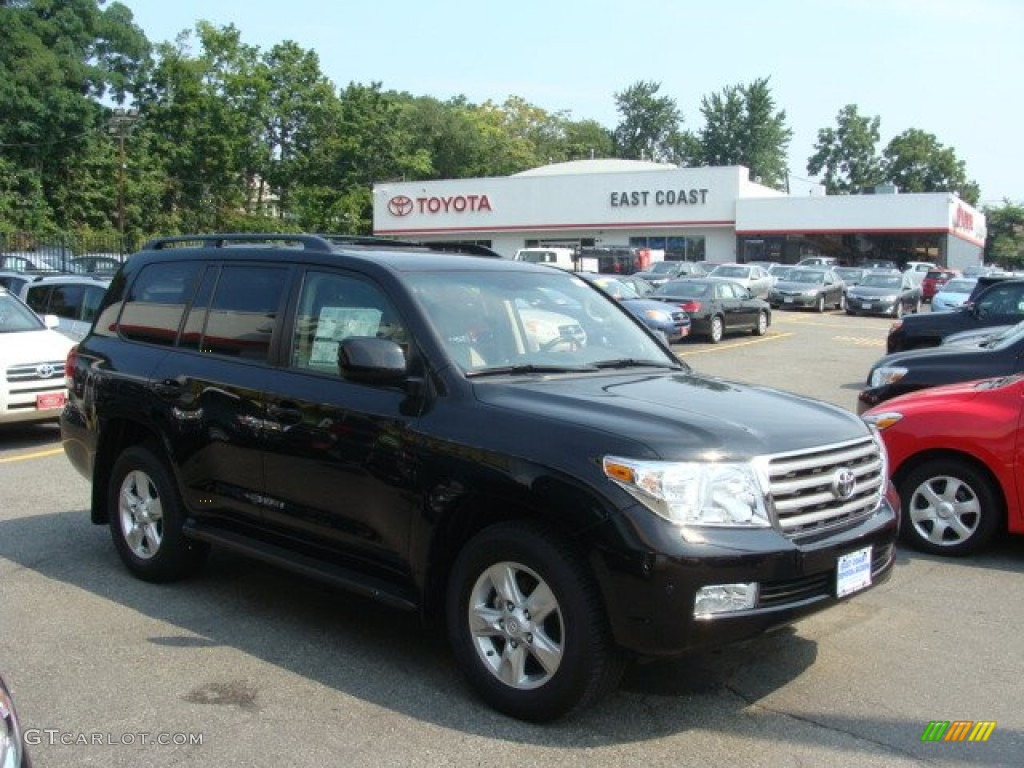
(249, 666)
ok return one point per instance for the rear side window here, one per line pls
(242, 311)
(156, 303)
(39, 299)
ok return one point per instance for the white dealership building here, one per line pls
(714, 214)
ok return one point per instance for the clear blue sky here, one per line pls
(953, 68)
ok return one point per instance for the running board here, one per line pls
(349, 580)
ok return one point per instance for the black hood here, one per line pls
(678, 415)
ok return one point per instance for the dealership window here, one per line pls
(849, 249)
(676, 248)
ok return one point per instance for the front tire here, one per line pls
(761, 327)
(820, 305)
(527, 625)
(949, 508)
(146, 517)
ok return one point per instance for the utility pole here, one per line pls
(122, 121)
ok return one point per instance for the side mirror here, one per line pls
(51, 321)
(369, 360)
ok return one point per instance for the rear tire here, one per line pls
(717, 329)
(146, 517)
(527, 624)
(949, 508)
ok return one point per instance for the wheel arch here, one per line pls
(115, 437)
(477, 511)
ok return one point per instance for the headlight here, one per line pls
(883, 420)
(886, 374)
(694, 493)
(658, 316)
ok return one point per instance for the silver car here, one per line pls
(755, 279)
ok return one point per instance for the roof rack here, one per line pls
(308, 242)
(471, 249)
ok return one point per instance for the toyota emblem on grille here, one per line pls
(400, 205)
(843, 483)
(45, 371)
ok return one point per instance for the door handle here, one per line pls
(170, 389)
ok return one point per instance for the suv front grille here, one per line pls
(825, 488)
(22, 378)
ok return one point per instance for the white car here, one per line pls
(32, 357)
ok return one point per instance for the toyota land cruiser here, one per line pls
(492, 442)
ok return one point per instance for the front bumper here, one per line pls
(792, 300)
(871, 306)
(651, 605)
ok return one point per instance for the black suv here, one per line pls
(492, 442)
(995, 301)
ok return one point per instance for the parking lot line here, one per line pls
(733, 345)
(35, 455)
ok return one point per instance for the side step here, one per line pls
(335, 575)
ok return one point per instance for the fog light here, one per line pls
(724, 598)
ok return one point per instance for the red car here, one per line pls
(934, 280)
(955, 456)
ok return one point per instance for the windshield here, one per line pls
(881, 281)
(740, 272)
(498, 321)
(15, 316)
(808, 276)
(959, 286)
(849, 274)
(1007, 338)
(663, 268)
(683, 289)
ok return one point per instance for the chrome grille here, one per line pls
(28, 377)
(825, 488)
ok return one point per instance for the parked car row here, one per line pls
(948, 400)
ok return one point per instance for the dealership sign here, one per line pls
(403, 205)
(642, 197)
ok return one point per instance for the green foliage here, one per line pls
(226, 136)
(915, 161)
(1005, 242)
(742, 127)
(847, 154)
(650, 126)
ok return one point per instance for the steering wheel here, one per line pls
(547, 346)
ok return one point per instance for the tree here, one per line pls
(57, 60)
(848, 153)
(915, 161)
(587, 139)
(1005, 242)
(742, 127)
(650, 124)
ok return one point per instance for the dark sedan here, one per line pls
(673, 324)
(884, 293)
(817, 287)
(716, 306)
(903, 372)
(660, 272)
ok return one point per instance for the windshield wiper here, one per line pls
(629, 362)
(504, 370)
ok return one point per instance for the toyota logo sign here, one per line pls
(844, 482)
(45, 371)
(400, 205)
